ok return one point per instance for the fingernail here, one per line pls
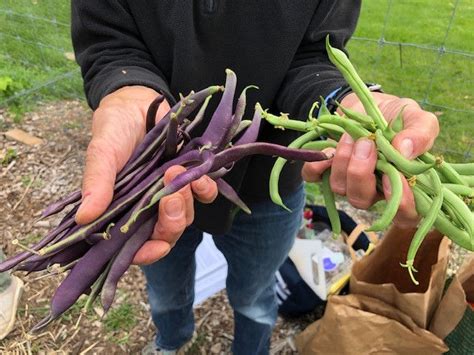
(201, 186)
(329, 152)
(406, 148)
(83, 205)
(346, 138)
(363, 147)
(174, 208)
(166, 253)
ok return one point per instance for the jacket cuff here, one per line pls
(106, 83)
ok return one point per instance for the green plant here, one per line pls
(121, 318)
(10, 155)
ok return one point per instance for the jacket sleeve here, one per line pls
(109, 50)
(311, 74)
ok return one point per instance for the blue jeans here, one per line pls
(254, 248)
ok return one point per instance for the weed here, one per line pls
(10, 155)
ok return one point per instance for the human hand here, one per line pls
(118, 126)
(353, 165)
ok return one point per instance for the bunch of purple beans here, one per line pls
(96, 255)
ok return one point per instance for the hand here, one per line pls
(353, 165)
(118, 126)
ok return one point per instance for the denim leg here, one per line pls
(170, 285)
(255, 248)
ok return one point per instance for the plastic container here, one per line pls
(322, 262)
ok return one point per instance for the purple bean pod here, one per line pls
(221, 120)
(65, 257)
(156, 136)
(217, 174)
(200, 115)
(181, 180)
(229, 193)
(88, 269)
(121, 205)
(171, 142)
(58, 206)
(238, 152)
(123, 260)
(53, 235)
(151, 112)
(251, 133)
(237, 117)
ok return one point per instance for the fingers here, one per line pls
(420, 131)
(98, 182)
(205, 189)
(361, 181)
(407, 216)
(151, 251)
(162, 110)
(313, 171)
(185, 192)
(340, 163)
(420, 127)
(172, 219)
(176, 211)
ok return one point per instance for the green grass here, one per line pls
(419, 73)
(34, 40)
(121, 318)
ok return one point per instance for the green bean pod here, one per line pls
(451, 213)
(442, 223)
(396, 196)
(425, 226)
(340, 60)
(319, 145)
(412, 167)
(468, 180)
(449, 174)
(452, 204)
(397, 123)
(365, 121)
(460, 189)
(464, 215)
(355, 130)
(323, 110)
(464, 168)
(280, 163)
(395, 126)
(333, 131)
(283, 122)
(330, 203)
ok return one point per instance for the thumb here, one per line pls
(98, 182)
(312, 171)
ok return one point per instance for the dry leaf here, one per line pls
(23, 137)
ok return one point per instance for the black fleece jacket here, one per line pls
(176, 46)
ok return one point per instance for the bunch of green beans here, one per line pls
(444, 192)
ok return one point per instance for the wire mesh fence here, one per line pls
(421, 49)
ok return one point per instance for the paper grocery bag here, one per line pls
(357, 324)
(453, 320)
(381, 276)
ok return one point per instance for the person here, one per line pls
(11, 288)
(129, 51)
